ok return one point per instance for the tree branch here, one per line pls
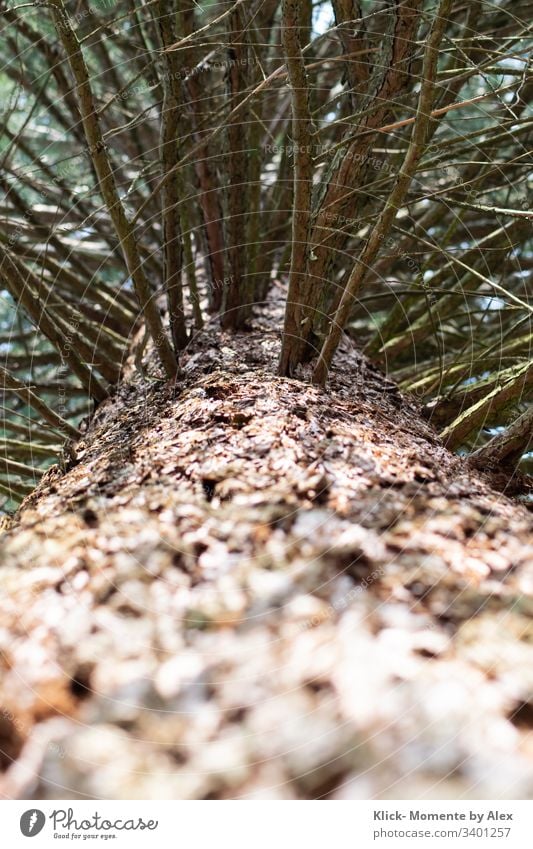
(98, 153)
(302, 183)
(395, 199)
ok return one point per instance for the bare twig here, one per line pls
(98, 153)
(386, 219)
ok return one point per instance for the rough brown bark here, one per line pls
(170, 195)
(237, 297)
(351, 29)
(302, 130)
(248, 585)
(207, 195)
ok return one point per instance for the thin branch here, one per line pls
(98, 153)
(386, 219)
(506, 449)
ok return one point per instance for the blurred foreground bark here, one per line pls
(246, 585)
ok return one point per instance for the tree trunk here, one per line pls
(246, 585)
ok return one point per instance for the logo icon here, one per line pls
(32, 822)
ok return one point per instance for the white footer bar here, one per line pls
(268, 824)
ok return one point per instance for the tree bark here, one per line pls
(246, 585)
